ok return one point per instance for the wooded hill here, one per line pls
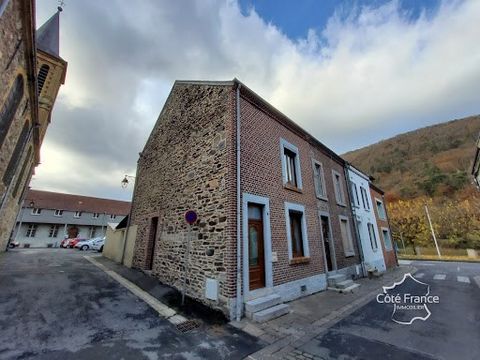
(433, 161)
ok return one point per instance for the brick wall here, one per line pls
(184, 166)
(388, 255)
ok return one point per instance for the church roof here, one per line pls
(48, 35)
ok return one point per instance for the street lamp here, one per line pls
(125, 181)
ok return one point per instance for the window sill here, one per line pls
(293, 188)
(324, 198)
(349, 254)
(300, 260)
(340, 204)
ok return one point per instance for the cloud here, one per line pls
(370, 73)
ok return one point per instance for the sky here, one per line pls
(351, 73)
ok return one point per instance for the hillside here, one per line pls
(433, 161)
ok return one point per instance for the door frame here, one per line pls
(267, 244)
(331, 242)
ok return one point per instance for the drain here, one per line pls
(188, 326)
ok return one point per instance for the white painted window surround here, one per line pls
(381, 209)
(338, 186)
(387, 239)
(36, 211)
(58, 212)
(284, 144)
(347, 238)
(319, 179)
(301, 209)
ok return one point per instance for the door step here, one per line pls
(340, 283)
(266, 308)
(271, 313)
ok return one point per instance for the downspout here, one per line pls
(239, 208)
(125, 233)
(354, 218)
(390, 229)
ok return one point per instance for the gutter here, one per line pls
(239, 208)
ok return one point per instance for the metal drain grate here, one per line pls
(188, 325)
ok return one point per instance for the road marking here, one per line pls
(477, 280)
(419, 275)
(439, 277)
(404, 262)
(162, 309)
(463, 279)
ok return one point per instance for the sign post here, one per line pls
(190, 218)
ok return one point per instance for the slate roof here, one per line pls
(69, 202)
(48, 35)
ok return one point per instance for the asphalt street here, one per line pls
(452, 331)
(54, 304)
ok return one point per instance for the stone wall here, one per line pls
(184, 166)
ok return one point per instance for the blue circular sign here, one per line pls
(190, 217)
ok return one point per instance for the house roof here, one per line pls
(48, 35)
(69, 202)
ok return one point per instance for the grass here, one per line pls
(435, 257)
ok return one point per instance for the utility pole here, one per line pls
(433, 232)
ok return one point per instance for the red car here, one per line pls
(73, 242)
(64, 243)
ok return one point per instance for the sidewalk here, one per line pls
(311, 315)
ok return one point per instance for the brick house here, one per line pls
(274, 215)
(380, 209)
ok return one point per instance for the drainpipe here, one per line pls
(239, 218)
(390, 230)
(354, 217)
(125, 234)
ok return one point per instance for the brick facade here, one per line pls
(382, 223)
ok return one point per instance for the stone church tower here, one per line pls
(32, 72)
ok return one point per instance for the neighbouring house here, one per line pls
(366, 222)
(274, 215)
(32, 72)
(48, 217)
(476, 164)
(386, 240)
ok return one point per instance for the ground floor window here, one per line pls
(387, 239)
(31, 230)
(93, 231)
(53, 233)
(347, 239)
(296, 231)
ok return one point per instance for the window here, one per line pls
(319, 180)
(373, 237)
(366, 203)
(53, 233)
(95, 215)
(296, 231)
(42, 77)
(36, 211)
(347, 239)
(7, 113)
(31, 230)
(290, 165)
(338, 185)
(356, 200)
(387, 239)
(93, 231)
(113, 216)
(22, 171)
(58, 213)
(16, 155)
(381, 210)
(77, 214)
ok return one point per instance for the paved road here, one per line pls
(54, 304)
(451, 332)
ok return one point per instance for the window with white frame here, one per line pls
(366, 203)
(112, 216)
(382, 214)
(338, 186)
(347, 239)
(36, 211)
(387, 239)
(77, 214)
(290, 165)
(93, 231)
(58, 212)
(373, 237)
(319, 180)
(95, 215)
(53, 233)
(31, 230)
(296, 231)
(356, 200)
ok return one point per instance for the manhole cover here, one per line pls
(188, 325)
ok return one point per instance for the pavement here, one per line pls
(54, 304)
(452, 331)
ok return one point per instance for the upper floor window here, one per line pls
(387, 239)
(347, 239)
(42, 76)
(36, 211)
(338, 186)
(58, 213)
(31, 230)
(296, 231)
(112, 216)
(356, 200)
(366, 203)
(290, 165)
(10, 106)
(77, 214)
(373, 236)
(17, 154)
(381, 210)
(53, 233)
(319, 180)
(95, 215)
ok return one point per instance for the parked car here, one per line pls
(13, 244)
(64, 243)
(89, 244)
(73, 242)
(99, 245)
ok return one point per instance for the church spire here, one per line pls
(48, 35)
